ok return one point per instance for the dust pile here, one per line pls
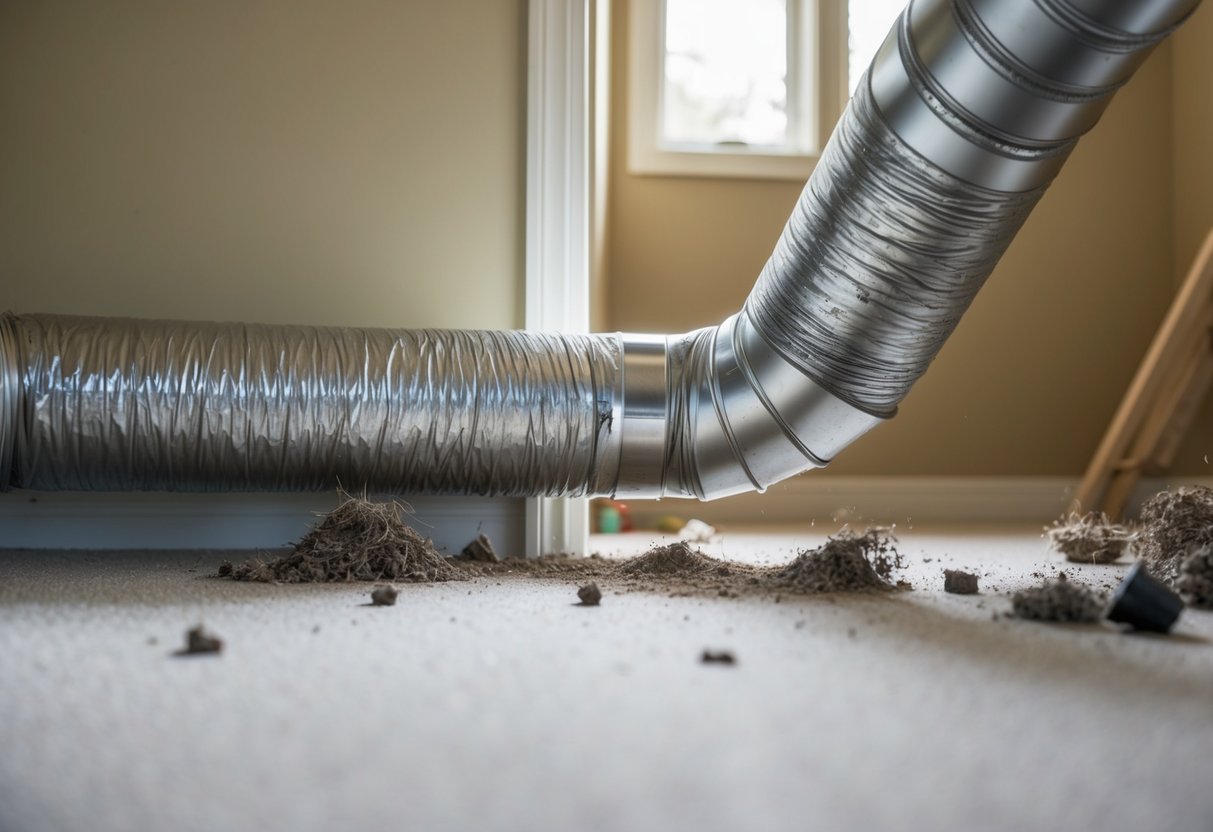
(1174, 525)
(675, 559)
(1195, 580)
(1060, 600)
(845, 563)
(1090, 538)
(358, 541)
(681, 570)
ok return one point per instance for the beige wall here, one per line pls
(1192, 178)
(1032, 375)
(298, 161)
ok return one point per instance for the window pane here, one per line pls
(868, 22)
(725, 69)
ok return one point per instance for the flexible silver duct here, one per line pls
(966, 114)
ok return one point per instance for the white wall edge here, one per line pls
(962, 501)
(558, 199)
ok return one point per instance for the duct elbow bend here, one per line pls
(719, 411)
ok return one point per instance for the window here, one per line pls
(746, 88)
(868, 21)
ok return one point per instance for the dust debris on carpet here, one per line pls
(847, 562)
(1090, 538)
(1175, 524)
(360, 540)
(481, 549)
(384, 596)
(198, 642)
(1195, 580)
(590, 595)
(959, 582)
(724, 657)
(367, 541)
(677, 558)
(1061, 600)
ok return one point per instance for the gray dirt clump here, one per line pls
(675, 559)
(359, 541)
(199, 642)
(590, 595)
(1090, 538)
(384, 596)
(1060, 600)
(1174, 524)
(481, 549)
(845, 563)
(959, 582)
(1195, 580)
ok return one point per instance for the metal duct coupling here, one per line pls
(963, 119)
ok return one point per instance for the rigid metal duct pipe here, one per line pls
(966, 114)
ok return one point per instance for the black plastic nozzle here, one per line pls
(1144, 603)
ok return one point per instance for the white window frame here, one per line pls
(822, 24)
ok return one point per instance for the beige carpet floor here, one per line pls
(499, 705)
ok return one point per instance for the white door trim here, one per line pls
(558, 235)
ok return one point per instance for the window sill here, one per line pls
(725, 164)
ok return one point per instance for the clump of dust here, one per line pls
(1090, 538)
(845, 563)
(481, 549)
(677, 558)
(1061, 600)
(1195, 580)
(1174, 524)
(590, 595)
(358, 541)
(199, 642)
(959, 582)
(384, 596)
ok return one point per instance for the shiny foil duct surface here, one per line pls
(118, 405)
(882, 255)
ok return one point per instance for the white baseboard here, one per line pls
(900, 500)
(68, 520)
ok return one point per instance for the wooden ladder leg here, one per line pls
(1179, 329)
(1165, 425)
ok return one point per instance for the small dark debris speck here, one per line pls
(199, 642)
(717, 657)
(590, 595)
